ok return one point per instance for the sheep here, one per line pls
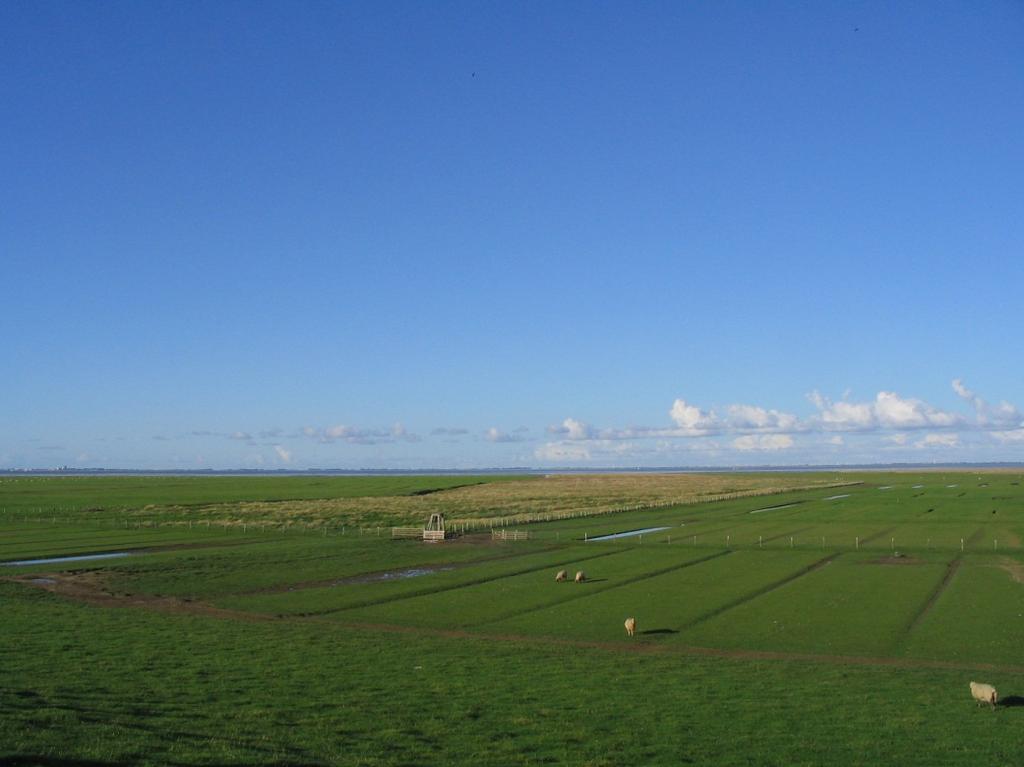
(580, 577)
(984, 693)
(561, 576)
(630, 626)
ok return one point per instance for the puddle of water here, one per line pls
(917, 487)
(887, 487)
(394, 575)
(771, 508)
(952, 485)
(836, 497)
(42, 581)
(628, 534)
(58, 560)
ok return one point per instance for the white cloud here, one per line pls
(1002, 415)
(692, 419)
(398, 431)
(836, 440)
(963, 391)
(494, 434)
(577, 429)
(284, 455)
(763, 442)
(896, 412)
(938, 440)
(355, 435)
(562, 451)
(570, 428)
(341, 431)
(896, 439)
(842, 415)
(445, 431)
(757, 418)
(1013, 435)
(888, 411)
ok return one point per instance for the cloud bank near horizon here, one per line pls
(887, 427)
(749, 428)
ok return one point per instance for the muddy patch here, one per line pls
(1013, 567)
(90, 587)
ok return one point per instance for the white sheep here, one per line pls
(580, 577)
(561, 576)
(630, 626)
(984, 693)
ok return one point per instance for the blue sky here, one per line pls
(401, 235)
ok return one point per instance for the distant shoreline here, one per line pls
(80, 472)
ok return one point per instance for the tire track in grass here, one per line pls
(583, 595)
(453, 587)
(878, 535)
(951, 570)
(749, 597)
(975, 537)
(790, 533)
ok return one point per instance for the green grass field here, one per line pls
(820, 626)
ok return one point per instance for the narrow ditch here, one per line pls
(758, 593)
(951, 571)
(582, 594)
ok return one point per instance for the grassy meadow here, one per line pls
(836, 620)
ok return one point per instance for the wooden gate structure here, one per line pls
(434, 531)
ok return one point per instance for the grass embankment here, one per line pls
(370, 502)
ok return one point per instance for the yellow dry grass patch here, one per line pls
(545, 497)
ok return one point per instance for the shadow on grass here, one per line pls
(659, 631)
(1011, 701)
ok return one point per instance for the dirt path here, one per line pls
(90, 587)
(1013, 567)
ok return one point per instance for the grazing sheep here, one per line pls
(561, 576)
(630, 626)
(984, 693)
(580, 577)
